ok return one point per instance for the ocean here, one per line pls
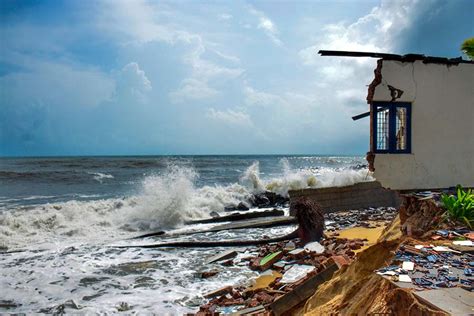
(62, 218)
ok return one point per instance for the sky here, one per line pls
(203, 77)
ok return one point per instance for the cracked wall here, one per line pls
(442, 100)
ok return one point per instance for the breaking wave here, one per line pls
(163, 201)
(101, 176)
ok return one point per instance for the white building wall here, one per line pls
(442, 134)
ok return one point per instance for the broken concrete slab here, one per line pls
(257, 310)
(219, 292)
(238, 217)
(222, 256)
(357, 196)
(454, 301)
(302, 292)
(253, 223)
(296, 273)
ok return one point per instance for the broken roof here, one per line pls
(402, 58)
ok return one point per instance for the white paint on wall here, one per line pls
(442, 98)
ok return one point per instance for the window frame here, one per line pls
(392, 133)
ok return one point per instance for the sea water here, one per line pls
(62, 218)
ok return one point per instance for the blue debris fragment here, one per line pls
(442, 233)
(422, 282)
(452, 278)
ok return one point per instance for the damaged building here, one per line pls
(421, 120)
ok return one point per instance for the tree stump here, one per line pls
(310, 218)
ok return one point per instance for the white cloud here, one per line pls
(230, 117)
(374, 32)
(344, 78)
(254, 97)
(203, 71)
(224, 17)
(192, 89)
(132, 82)
(142, 22)
(267, 25)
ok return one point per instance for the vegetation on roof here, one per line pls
(467, 48)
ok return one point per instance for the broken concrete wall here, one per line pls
(442, 98)
(359, 195)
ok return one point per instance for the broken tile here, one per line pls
(404, 278)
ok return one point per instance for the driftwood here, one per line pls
(308, 214)
(310, 218)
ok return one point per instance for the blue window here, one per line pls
(391, 127)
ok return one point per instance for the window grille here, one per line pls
(391, 127)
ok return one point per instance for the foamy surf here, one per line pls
(65, 243)
(164, 201)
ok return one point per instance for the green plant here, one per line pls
(460, 207)
(467, 47)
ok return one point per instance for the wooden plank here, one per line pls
(222, 256)
(302, 292)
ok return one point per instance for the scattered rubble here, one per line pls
(287, 267)
(368, 218)
(426, 266)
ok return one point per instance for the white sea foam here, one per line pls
(164, 202)
(76, 265)
(98, 176)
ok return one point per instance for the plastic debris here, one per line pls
(404, 278)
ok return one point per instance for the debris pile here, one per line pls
(424, 266)
(286, 267)
(368, 218)
(420, 212)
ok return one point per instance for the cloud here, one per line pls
(376, 31)
(134, 19)
(230, 117)
(260, 98)
(143, 22)
(267, 25)
(132, 82)
(192, 89)
(197, 85)
(224, 17)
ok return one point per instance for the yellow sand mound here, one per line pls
(356, 290)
